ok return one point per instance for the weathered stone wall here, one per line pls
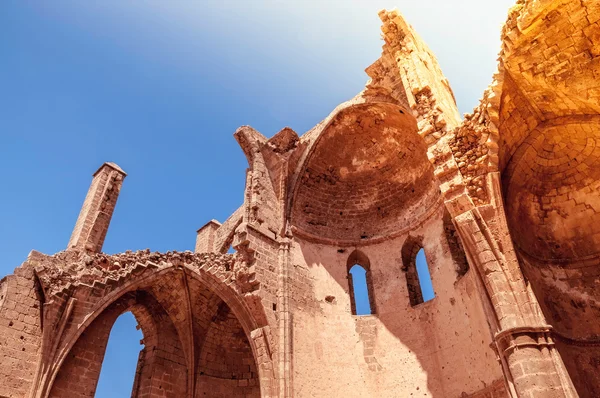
(569, 298)
(20, 332)
(437, 348)
(98, 206)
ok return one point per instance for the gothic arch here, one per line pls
(410, 249)
(357, 257)
(200, 277)
(163, 353)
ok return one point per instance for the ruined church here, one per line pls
(503, 203)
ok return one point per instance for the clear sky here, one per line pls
(159, 88)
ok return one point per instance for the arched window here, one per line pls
(362, 306)
(360, 284)
(121, 359)
(414, 264)
(424, 276)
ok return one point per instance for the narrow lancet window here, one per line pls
(361, 293)
(360, 284)
(416, 271)
(424, 276)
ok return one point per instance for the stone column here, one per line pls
(533, 367)
(205, 237)
(284, 322)
(96, 212)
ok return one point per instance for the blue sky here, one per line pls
(160, 87)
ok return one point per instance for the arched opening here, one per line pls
(162, 353)
(424, 276)
(212, 353)
(362, 305)
(416, 271)
(360, 284)
(121, 358)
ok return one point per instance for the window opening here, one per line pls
(362, 303)
(424, 276)
(121, 358)
(416, 271)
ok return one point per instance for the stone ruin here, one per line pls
(505, 204)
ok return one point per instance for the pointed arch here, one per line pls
(125, 295)
(424, 276)
(121, 360)
(358, 258)
(413, 261)
(163, 352)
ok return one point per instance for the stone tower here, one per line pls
(504, 204)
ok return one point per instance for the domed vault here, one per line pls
(366, 177)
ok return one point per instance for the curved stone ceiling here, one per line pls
(552, 187)
(367, 177)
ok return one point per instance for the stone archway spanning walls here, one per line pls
(202, 332)
(78, 374)
(364, 182)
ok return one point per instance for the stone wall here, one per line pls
(440, 348)
(20, 332)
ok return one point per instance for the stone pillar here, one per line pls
(533, 366)
(96, 212)
(205, 238)
(284, 322)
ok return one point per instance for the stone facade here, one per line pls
(505, 204)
